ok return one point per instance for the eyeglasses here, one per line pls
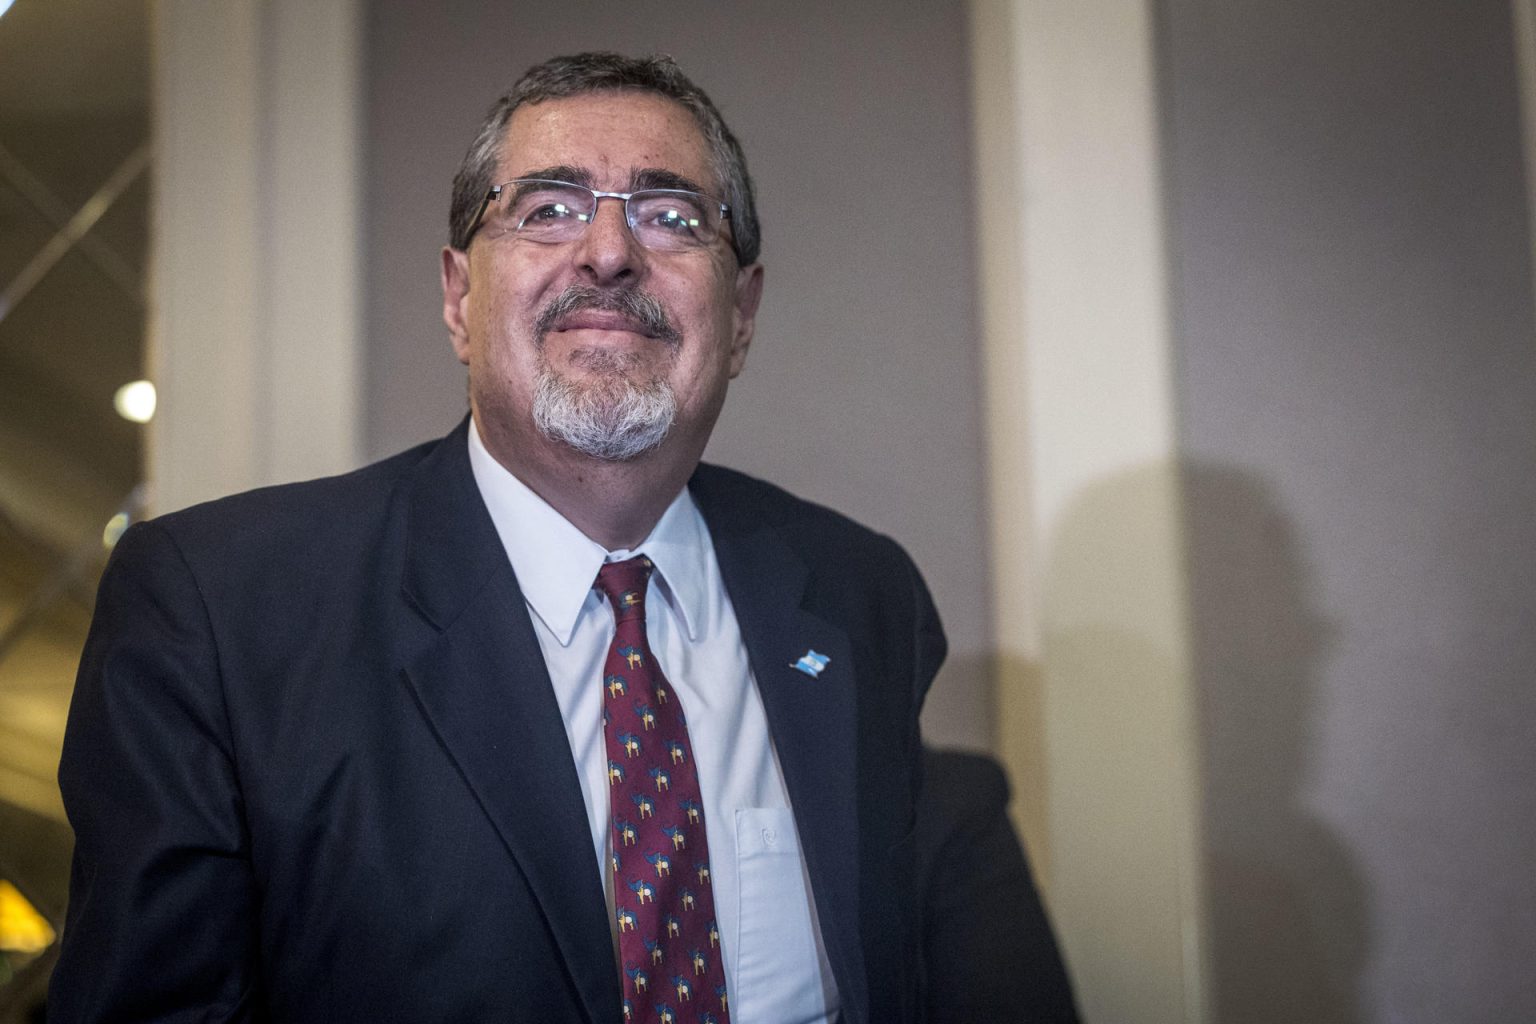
(661, 219)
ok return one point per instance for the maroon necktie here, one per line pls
(669, 942)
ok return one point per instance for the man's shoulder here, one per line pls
(734, 501)
(305, 515)
(737, 498)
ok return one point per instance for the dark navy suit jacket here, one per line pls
(317, 772)
(989, 954)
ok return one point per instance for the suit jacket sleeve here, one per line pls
(162, 915)
(930, 644)
(989, 953)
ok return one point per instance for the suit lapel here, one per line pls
(482, 684)
(812, 719)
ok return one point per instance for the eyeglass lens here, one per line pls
(663, 219)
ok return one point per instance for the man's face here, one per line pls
(602, 326)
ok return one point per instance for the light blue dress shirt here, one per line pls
(776, 965)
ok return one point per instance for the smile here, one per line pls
(584, 308)
(602, 320)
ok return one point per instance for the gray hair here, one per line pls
(603, 72)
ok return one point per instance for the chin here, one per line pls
(612, 418)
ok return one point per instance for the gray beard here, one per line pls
(614, 419)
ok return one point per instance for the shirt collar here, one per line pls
(556, 563)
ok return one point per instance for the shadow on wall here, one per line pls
(1285, 904)
(1285, 901)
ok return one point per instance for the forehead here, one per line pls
(610, 135)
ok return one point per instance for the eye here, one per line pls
(546, 211)
(675, 221)
(671, 213)
(541, 208)
(552, 212)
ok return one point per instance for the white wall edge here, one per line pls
(1096, 695)
(255, 245)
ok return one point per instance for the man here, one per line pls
(544, 721)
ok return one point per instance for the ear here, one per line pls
(456, 300)
(749, 292)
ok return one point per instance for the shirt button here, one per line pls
(770, 836)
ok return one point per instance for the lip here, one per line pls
(601, 320)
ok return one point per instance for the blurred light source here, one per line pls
(5, 5)
(22, 928)
(135, 401)
(114, 529)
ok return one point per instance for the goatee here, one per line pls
(609, 416)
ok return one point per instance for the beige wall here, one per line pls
(1357, 385)
(1296, 732)
(1093, 681)
(254, 245)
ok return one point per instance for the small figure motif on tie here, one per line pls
(647, 717)
(669, 927)
(679, 840)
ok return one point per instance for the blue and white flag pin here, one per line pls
(811, 663)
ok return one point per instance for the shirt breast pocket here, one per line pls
(778, 966)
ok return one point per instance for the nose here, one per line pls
(607, 252)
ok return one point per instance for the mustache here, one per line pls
(644, 310)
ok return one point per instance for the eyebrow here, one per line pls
(560, 172)
(641, 178)
(658, 177)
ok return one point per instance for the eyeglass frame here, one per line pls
(494, 193)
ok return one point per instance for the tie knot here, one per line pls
(624, 583)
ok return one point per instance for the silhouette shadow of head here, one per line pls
(1285, 902)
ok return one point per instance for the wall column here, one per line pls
(255, 245)
(1093, 667)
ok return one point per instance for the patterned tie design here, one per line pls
(668, 939)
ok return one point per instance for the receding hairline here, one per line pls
(599, 73)
(717, 184)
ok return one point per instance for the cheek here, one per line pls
(711, 316)
(502, 323)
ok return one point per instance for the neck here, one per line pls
(616, 504)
